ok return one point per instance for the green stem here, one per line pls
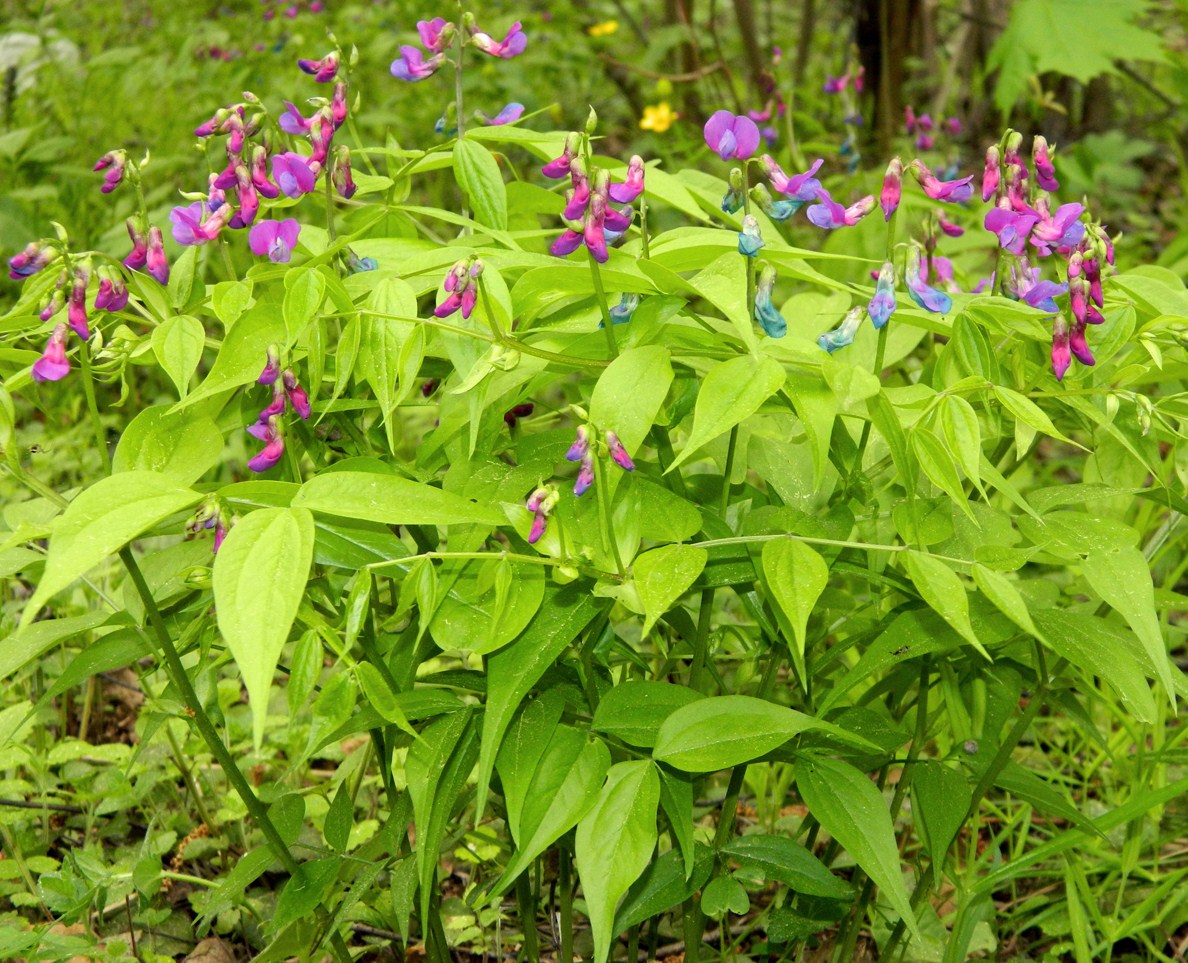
(880, 354)
(643, 227)
(228, 264)
(330, 235)
(748, 261)
(607, 325)
(84, 356)
(700, 643)
(604, 516)
(466, 230)
(730, 449)
(566, 921)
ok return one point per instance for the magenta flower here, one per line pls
(947, 226)
(53, 365)
(618, 452)
(512, 45)
(632, 186)
(829, 214)
(594, 228)
(991, 173)
(31, 260)
(1061, 353)
(953, 192)
(1079, 346)
(156, 263)
(801, 187)
(274, 409)
(338, 104)
(926, 297)
(341, 175)
(413, 67)
(559, 166)
(1045, 173)
(292, 122)
(187, 224)
(259, 171)
(436, 34)
(76, 313)
(296, 394)
(112, 295)
(137, 259)
(274, 448)
(541, 503)
(324, 70)
(1060, 230)
(271, 368)
(275, 239)
(835, 85)
(292, 174)
(113, 162)
(581, 445)
(1028, 288)
(55, 303)
(585, 475)
(578, 198)
(461, 283)
(892, 188)
(731, 136)
(509, 115)
(249, 200)
(1011, 228)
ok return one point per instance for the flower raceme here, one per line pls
(436, 34)
(541, 503)
(324, 70)
(113, 162)
(590, 218)
(412, 66)
(461, 285)
(799, 187)
(583, 451)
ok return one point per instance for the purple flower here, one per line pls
(76, 313)
(1078, 345)
(512, 45)
(1045, 173)
(291, 121)
(835, 85)
(581, 445)
(618, 452)
(585, 475)
(829, 214)
(1060, 230)
(632, 185)
(949, 228)
(296, 394)
(249, 199)
(341, 175)
(53, 365)
(509, 115)
(436, 34)
(883, 304)
(413, 67)
(274, 448)
(593, 232)
(113, 162)
(274, 238)
(953, 192)
(1028, 288)
(1061, 355)
(292, 174)
(892, 188)
(541, 503)
(156, 263)
(800, 187)
(338, 104)
(112, 295)
(31, 260)
(462, 284)
(264, 187)
(558, 167)
(1010, 227)
(271, 368)
(953, 126)
(991, 172)
(926, 297)
(843, 335)
(324, 70)
(187, 224)
(274, 409)
(731, 136)
(139, 254)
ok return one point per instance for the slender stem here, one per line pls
(355, 136)
(461, 120)
(228, 264)
(880, 354)
(643, 227)
(187, 775)
(566, 921)
(607, 325)
(697, 669)
(748, 261)
(330, 235)
(730, 449)
(605, 525)
(84, 356)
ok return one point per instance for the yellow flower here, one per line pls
(658, 118)
(604, 29)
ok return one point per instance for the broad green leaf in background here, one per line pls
(181, 277)
(629, 394)
(1122, 577)
(386, 345)
(663, 575)
(180, 444)
(963, 434)
(522, 749)
(100, 521)
(730, 393)
(478, 176)
(663, 885)
(786, 861)
(614, 844)
(304, 290)
(389, 499)
(941, 588)
(853, 811)
(940, 799)
(380, 697)
(259, 581)
(937, 463)
(242, 356)
(634, 711)
(796, 575)
(178, 345)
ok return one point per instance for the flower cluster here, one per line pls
(921, 126)
(461, 286)
(589, 214)
(211, 516)
(286, 392)
(437, 36)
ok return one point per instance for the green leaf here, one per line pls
(229, 299)
(785, 861)
(304, 290)
(100, 521)
(181, 277)
(179, 444)
(380, 697)
(629, 394)
(26, 644)
(853, 811)
(730, 393)
(242, 355)
(478, 176)
(178, 345)
(724, 895)
(521, 752)
(437, 766)
(564, 788)
(663, 575)
(724, 731)
(795, 576)
(940, 800)
(389, 499)
(614, 844)
(1028, 412)
(963, 435)
(634, 711)
(1122, 577)
(516, 668)
(336, 827)
(305, 891)
(487, 606)
(388, 347)
(662, 886)
(259, 581)
(940, 587)
(1006, 598)
(937, 463)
